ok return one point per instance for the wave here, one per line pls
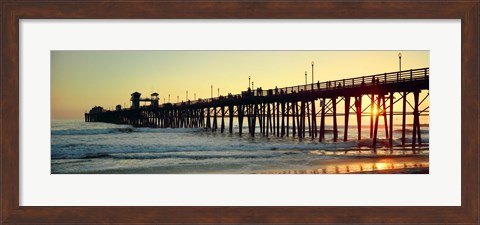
(168, 130)
(123, 130)
(409, 131)
(88, 151)
(146, 156)
(411, 124)
(92, 131)
(97, 150)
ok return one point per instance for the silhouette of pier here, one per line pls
(290, 110)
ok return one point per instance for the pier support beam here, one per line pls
(404, 116)
(269, 120)
(214, 128)
(222, 126)
(301, 131)
(273, 128)
(418, 127)
(283, 120)
(230, 121)
(202, 117)
(254, 119)
(288, 118)
(335, 128)
(390, 140)
(415, 120)
(322, 120)
(260, 117)
(314, 120)
(265, 122)
(278, 119)
(249, 119)
(294, 112)
(384, 112)
(308, 119)
(372, 104)
(299, 123)
(377, 114)
(358, 109)
(347, 111)
(208, 119)
(240, 119)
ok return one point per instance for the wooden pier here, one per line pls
(296, 109)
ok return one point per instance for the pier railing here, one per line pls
(364, 81)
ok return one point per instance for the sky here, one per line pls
(81, 80)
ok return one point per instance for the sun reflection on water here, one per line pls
(358, 168)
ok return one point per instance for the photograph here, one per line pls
(239, 112)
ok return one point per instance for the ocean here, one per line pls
(78, 147)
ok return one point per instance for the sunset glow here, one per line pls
(83, 79)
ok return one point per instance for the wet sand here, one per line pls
(394, 164)
(418, 170)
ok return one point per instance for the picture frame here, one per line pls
(13, 11)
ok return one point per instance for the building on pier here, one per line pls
(97, 109)
(154, 100)
(135, 100)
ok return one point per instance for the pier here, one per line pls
(299, 111)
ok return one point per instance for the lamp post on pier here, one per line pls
(400, 61)
(211, 91)
(248, 81)
(312, 72)
(252, 86)
(305, 77)
(218, 92)
(186, 99)
(168, 98)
